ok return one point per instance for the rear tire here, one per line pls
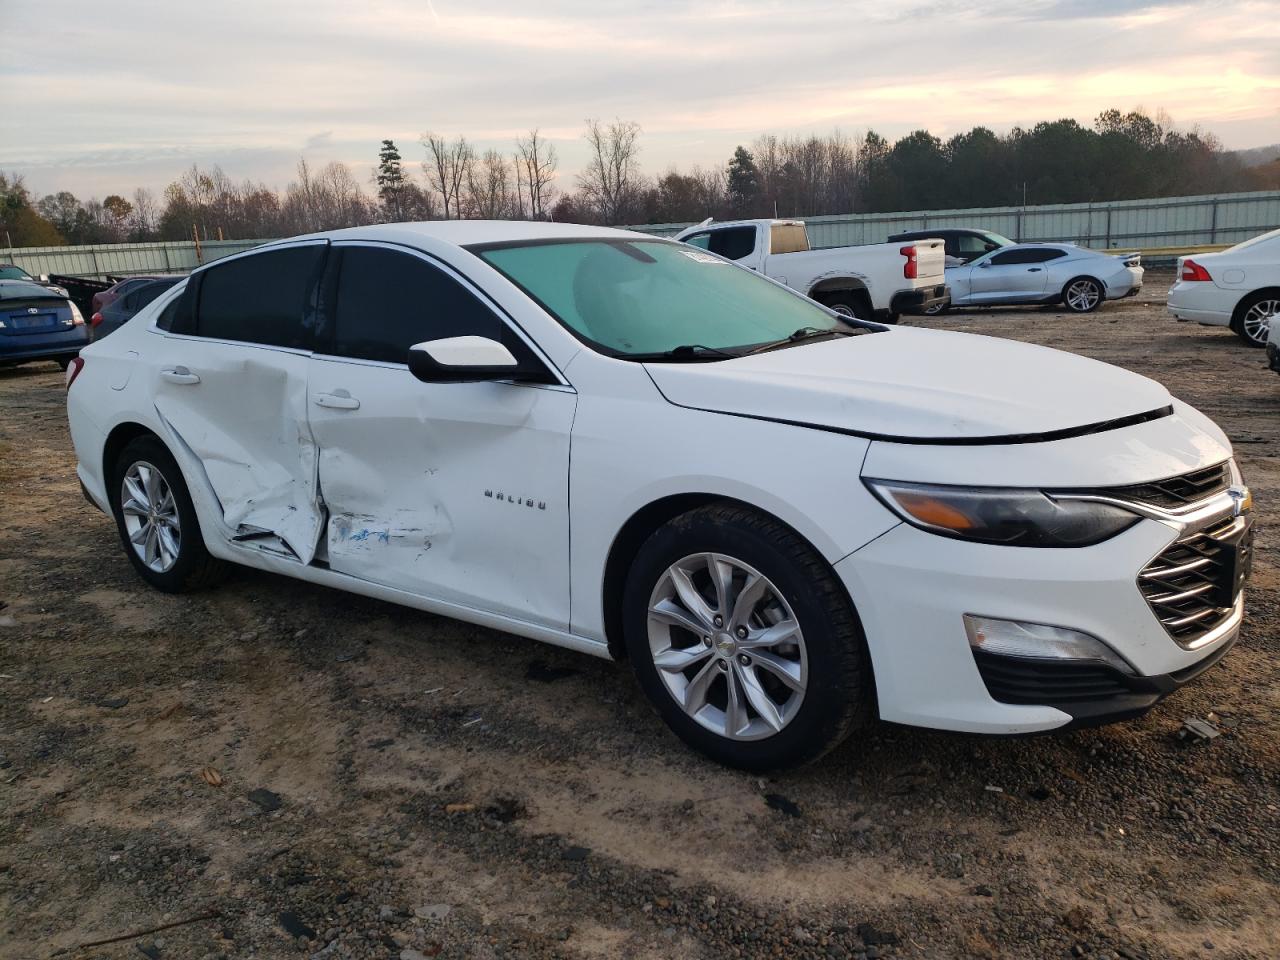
(1252, 319)
(157, 522)
(802, 646)
(849, 303)
(1083, 295)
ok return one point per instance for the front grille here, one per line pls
(1176, 492)
(1192, 586)
(1026, 680)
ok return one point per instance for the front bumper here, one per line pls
(920, 300)
(1091, 694)
(912, 590)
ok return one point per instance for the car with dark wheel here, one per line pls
(38, 324)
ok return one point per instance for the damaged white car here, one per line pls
(787, 521)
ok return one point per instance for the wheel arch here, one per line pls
(121, 435)
(1237, 312)
(644, 523)
(845, 284)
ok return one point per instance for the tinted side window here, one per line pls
(733, 243)
(388, 301)
(700, 240)
(260, 298)
(1015, 256)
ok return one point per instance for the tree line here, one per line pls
(1121, 156)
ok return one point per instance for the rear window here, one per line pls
(260, 298)
(732, 243)
(25, 291)
(788, 238)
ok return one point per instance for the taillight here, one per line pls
(1193, 271)
(73, 370)
(95, 319)
(909, 268)
(77, 318)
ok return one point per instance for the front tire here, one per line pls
(157, 522)
(1083, 295)
(1252, 319)
(744, 640)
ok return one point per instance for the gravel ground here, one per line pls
(277, 770)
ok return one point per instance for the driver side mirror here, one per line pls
(464, 359)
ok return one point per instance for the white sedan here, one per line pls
(1237, 288)
(786, 522)
(1042, 273)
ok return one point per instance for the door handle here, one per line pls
(1034, 269)
(337, 401)
(179, 375)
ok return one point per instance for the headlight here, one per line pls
(1015, 518)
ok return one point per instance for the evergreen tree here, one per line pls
(391, 182)
(744, 181)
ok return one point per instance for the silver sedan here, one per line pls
(1078, 278)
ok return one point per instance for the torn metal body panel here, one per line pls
(244, 415)
(454, 491)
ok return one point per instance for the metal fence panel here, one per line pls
(1163, 222)
(1122, 224)
(120, 259)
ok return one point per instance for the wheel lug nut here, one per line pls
(706, 641)
(718, 620)
(723, 664)
(744, 660)
(742, 633)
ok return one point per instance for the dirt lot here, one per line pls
(448, 791)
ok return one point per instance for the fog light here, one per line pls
(1014, 638)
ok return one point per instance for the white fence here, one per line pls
(1165, 222)
(1123, 224)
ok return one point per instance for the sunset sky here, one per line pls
(107, 96)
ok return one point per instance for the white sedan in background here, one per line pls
(1078, 278)
(787, 522)
(1237, 288)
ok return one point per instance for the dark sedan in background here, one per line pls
(962, 244)
(120, 309)
(38, 324)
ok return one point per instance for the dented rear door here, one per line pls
(230, 380)
(452, 491)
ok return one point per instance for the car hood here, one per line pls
(918, 385)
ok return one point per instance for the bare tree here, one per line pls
(489, 187)
(447, 168)
(535, 170)
(143, 217)
(612, 167)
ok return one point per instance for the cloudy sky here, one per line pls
(110, 95)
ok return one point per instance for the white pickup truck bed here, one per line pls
(876, 281)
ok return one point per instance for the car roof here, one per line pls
(462, 233)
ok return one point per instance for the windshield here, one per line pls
(10, 272)
(25, 291)
(643, 298)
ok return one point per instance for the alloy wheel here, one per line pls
(727, 646)
(1083, 295)
(151, 516)
(1257, 321)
